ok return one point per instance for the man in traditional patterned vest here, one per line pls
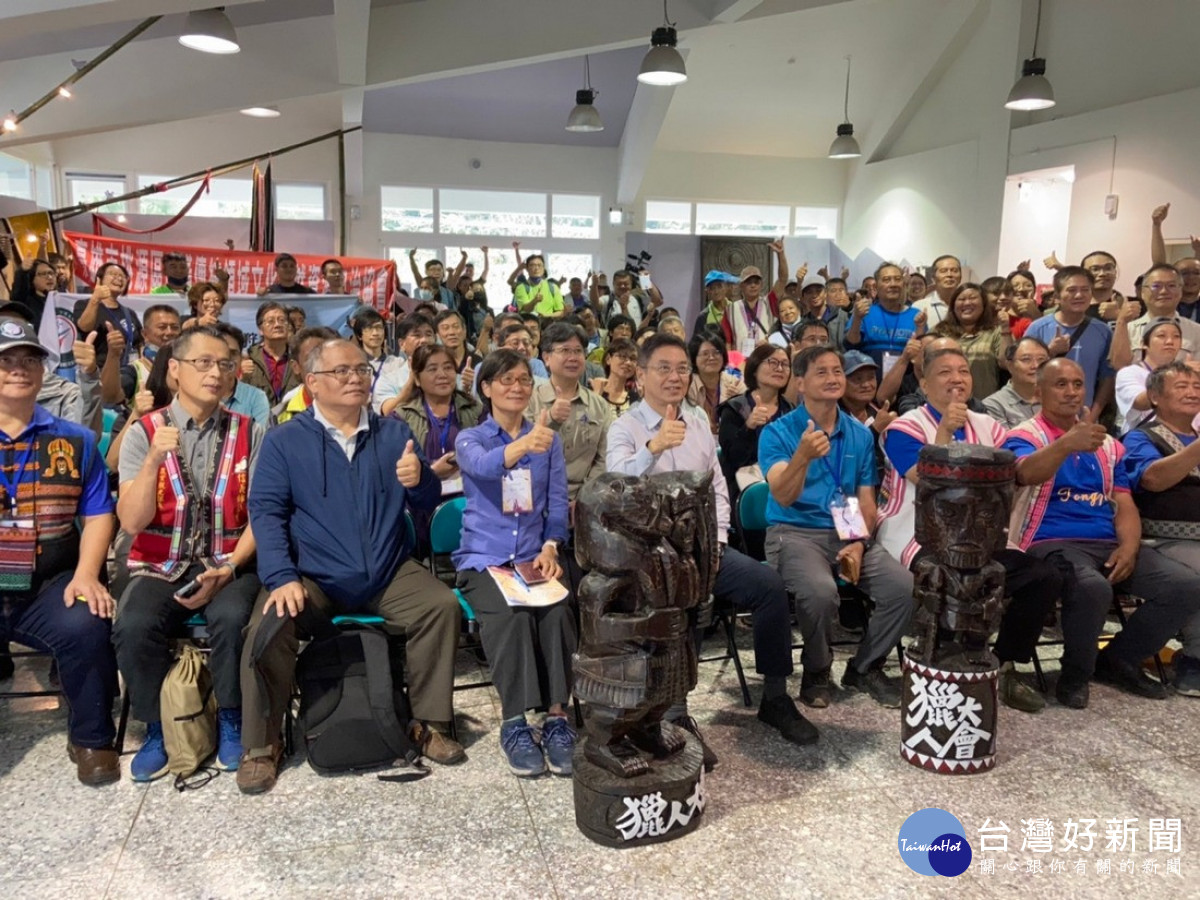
(1034, 586)
(185, 475)
(1162, 461)
(51, 597)
(1075, 509)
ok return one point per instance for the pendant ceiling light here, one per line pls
(663, 64)
(209, 31)
(584, 117)
(1032, 90)
(844, 146)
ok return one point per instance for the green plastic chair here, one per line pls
(106, 434)
(445, 534)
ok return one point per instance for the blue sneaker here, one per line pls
(151, 761)
(558, 740)
(229, 739)
(524, 755)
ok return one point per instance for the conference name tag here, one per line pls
(517, 492)
(848, 519)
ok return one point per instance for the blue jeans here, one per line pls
(82, 646)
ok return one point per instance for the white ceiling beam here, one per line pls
(351, 25)
(645, 120)
(949, 32)
(24, 18)
(726, 11)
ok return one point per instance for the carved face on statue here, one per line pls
(964, 497)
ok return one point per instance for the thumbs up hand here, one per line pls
(671, 433)
(814, 444)
(85, 353)
(1060, 344)
(408, 467)
(540, 437)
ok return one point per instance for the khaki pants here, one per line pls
(415, 601)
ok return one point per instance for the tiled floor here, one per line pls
(781, 821)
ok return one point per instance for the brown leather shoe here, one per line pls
(257, 774)
(95, 766)
(436, 745)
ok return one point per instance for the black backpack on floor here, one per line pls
(353, 710)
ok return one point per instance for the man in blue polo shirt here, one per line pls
(881, 330)
(820, 466)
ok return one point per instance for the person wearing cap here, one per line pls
(53, 549)
(820, 305)
(748, 322)
(820, 466)
(717, 287)
(176, 271)
(1161, 342)
(285, 278)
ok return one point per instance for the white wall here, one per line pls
(750, 179)
(1155, 142)
(1037, 216)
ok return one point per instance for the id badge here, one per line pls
(889, 362)
(848, 519)
(517, 492)
(748, 346)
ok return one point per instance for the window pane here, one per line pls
(300, 201)
(226, 198)
(816, 222)
(568, 266)
(742, 218)
(503, 213)
(404, 270)
(575, 216)
(407, 209)
(666, 217)
(90, 188)
(14, 177)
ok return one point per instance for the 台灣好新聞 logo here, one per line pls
(933, 842)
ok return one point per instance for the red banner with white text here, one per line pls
(374, 280)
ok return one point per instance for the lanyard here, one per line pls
(752, 324)
(836, 475)
(276, 372)
(13, 483)
(378, 372)
(443, 431)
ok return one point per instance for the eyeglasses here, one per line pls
(342, 374)
(568, 352)
(517, 343)
(28, 363)
(275, 320)
(204, 363)
(664, 371)
(1189, 271)
(377, 327)
(1163, 287)
(779, 365)
(1107, 269)
(522, 380)
(708, 354)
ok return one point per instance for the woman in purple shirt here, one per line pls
(515, 481)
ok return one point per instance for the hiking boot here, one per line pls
(688, 724)
(1128, 677)
(95, 766)
(781, 713)
(150, 762)
(1016, 694)
(884, 690)
(558, 740)
(1187, 675)
(257, 774)
(816, 689)
(229, 739)
(436, 745)
(524, 755)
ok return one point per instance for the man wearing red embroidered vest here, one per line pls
(185, 475)
(1034, 586)
(51, 597)
(1074, 509)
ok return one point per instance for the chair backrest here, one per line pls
(106, 435)
(752, 507)
(445, 530)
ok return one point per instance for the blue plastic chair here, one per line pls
(445, 534)
(106, 434)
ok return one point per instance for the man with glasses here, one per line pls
(1162, 290)
(1106, 300)
(328, 505)
(656, 435)
(185, 472)
(580, 416)
(52, 551)
(266, 364)
(1189, 266)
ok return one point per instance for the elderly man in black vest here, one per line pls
(1163, 463)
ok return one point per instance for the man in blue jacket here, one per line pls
(328, 500)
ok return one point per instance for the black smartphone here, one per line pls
(188, 589)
